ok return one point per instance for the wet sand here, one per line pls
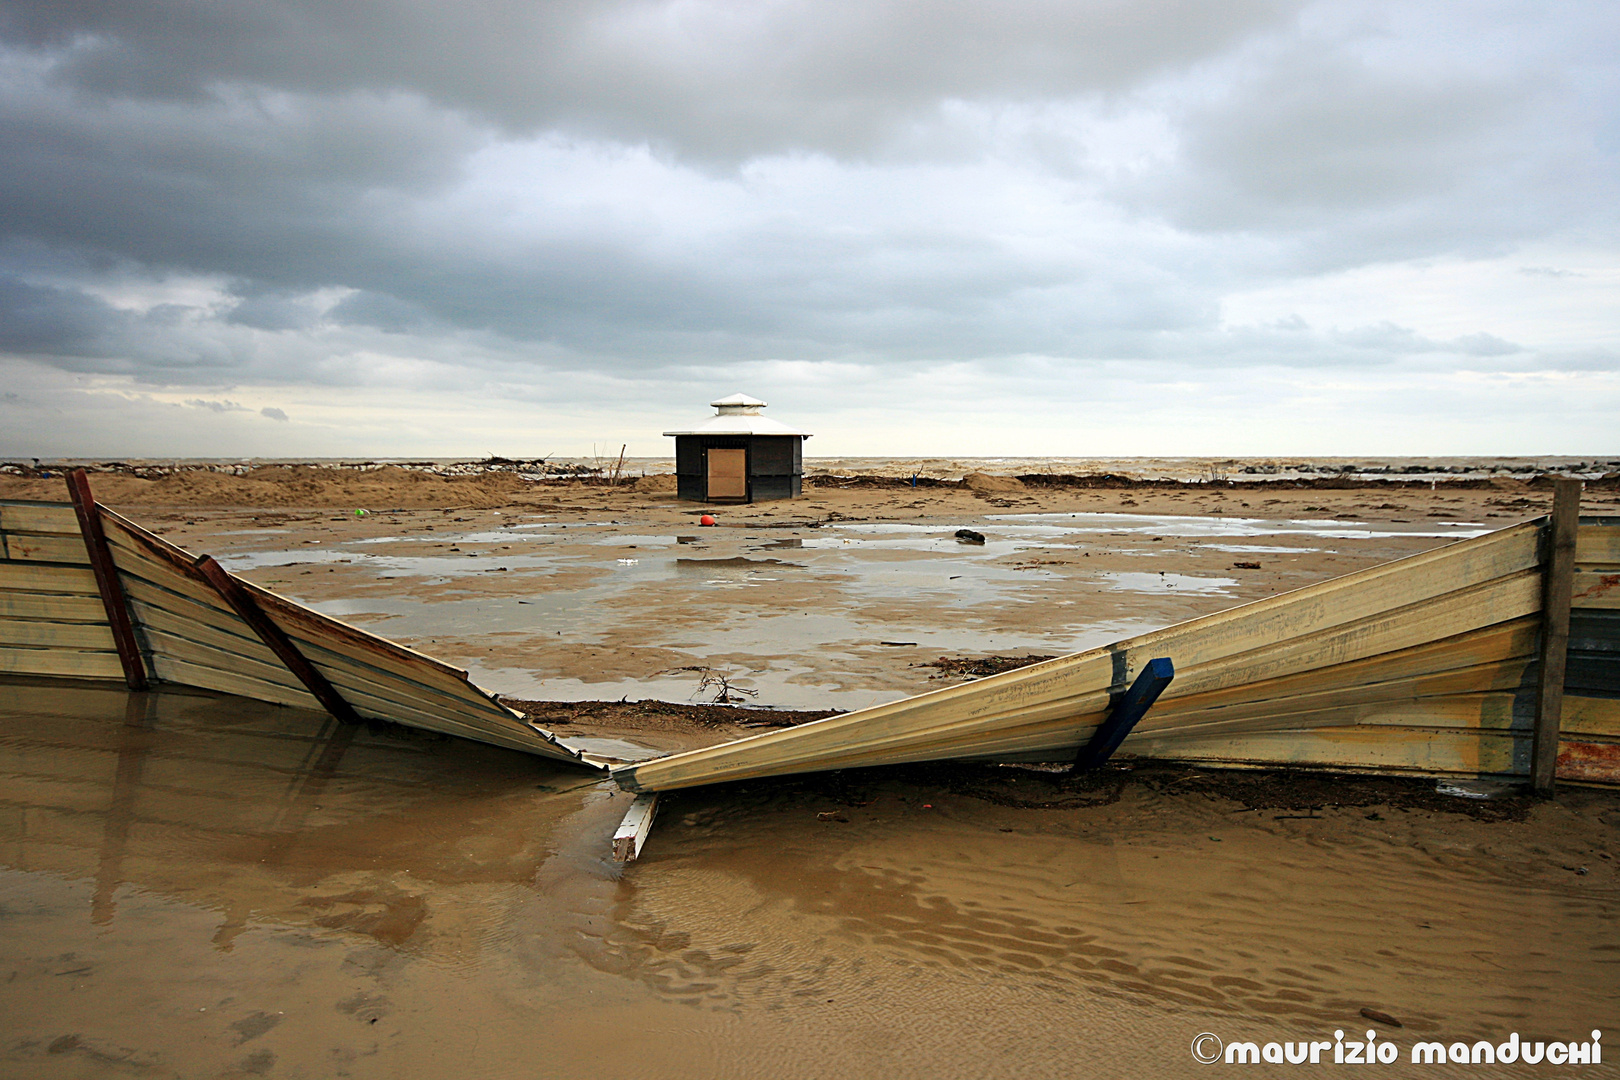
(195, 886)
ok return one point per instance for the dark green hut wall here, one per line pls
(775, 464)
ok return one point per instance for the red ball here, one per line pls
(706, 519)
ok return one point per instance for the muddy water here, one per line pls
(199, 886)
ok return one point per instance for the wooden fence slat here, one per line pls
(39, 517)
(1595, 589)
(45, 578)
(56, 607)
(43, 634)
(42, 547)
(1597, 545)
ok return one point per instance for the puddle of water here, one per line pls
(1129, 581)
(1220, 525)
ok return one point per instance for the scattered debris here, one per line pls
(978, 667)
(1381, 1017)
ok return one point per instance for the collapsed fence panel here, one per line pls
(1426, 665)
(54, 622)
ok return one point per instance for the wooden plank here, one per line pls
(637, 824)
(1507, 676)
(1595, 589)
(1589, 762)
(1597, 545)
(39, 517)
(264, 667)
(69, 663)
(1493, 646)
(163, 593)
(42, 634)
(206, 677)
(231, 591)
(234, 640)
(54, 606)
(1413, 751)
(40, 547)
(1467, 610)
(347, 674)
(1556, 595)
(45, 578)
(107, 582)
(225, 631)
(1590, 716)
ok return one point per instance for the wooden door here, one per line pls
(728, 474)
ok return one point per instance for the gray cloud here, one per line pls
(280, 193)
(706, 78)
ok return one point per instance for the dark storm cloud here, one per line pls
(714, 79)
(620, 186)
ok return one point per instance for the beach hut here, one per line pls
(739, 456)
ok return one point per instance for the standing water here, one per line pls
(198, 886)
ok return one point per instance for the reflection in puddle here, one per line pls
(1149, 583)
(1211, 525)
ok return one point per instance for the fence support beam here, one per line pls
(1557, 585)
(1131, 707)
(241, 601)
(107, 580)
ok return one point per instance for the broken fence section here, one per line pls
(191, 623)
(1427, 665)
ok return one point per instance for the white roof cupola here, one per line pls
(739, 414)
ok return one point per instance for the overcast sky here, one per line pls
(416, 227)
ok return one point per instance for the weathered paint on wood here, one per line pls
(1595, 589)
(44, 578)
(42, 547)
(39, 517)
(68, 663)
(43, 634)
(32, 605)
(1597, 545)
